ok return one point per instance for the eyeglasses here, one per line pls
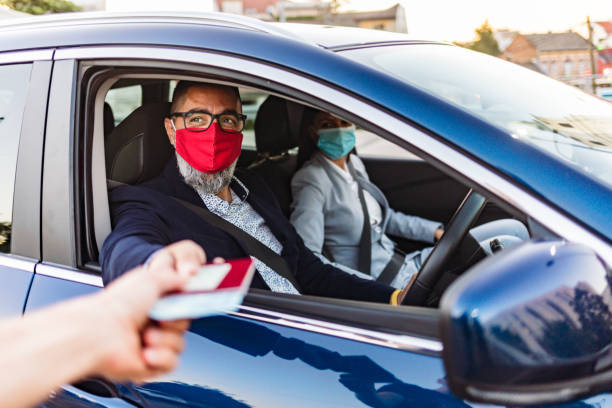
(200, 120)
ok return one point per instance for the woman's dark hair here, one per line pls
(306, 145)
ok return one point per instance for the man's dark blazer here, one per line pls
(146, 218)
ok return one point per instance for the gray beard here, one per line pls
(205, 183)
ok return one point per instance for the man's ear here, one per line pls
(170, 131)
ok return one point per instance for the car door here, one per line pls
(56, 277)
(276, 350)
(255, 357)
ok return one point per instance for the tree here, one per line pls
(41, 6)
(485, 42)
(5, 236)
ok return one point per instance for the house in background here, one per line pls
(559, 55)
(602, 38)
(504, 38)
(391, 19)
(602, 34)
(317, 12)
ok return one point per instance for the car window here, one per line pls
(251, 101)
(559, 119)
(124, 101)
(14, 81)
(370, 145)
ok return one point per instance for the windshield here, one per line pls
(560, 119)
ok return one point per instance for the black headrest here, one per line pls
(277, 125)
(109, 119)
(138, 148)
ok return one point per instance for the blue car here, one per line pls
(446, 133)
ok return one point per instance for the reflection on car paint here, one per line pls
(370, 383)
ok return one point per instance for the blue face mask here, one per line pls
(336, 142)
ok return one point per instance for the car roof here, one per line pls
(305, 49)
(325, 36)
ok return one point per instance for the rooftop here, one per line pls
(607, 25)
(568, 41)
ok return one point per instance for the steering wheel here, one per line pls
(431, 270)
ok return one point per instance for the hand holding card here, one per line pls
(215, 289)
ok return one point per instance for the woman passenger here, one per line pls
(332, 195)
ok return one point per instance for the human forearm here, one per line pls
(120, 255)
(48, 348)
(412, 227)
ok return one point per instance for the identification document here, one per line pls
(215, 289)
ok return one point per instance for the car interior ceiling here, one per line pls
(137, 149)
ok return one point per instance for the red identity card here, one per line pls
(215, 289)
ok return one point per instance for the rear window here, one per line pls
(14, 81)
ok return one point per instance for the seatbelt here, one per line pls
(365, 244)
(273, 260)
(392, 268)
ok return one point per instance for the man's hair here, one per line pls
(178, 96)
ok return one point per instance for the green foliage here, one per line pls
(5, 236)
(486, 42)
(41, 6)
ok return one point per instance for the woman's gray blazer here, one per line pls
(328, 216)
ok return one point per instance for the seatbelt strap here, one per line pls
(392, 268)
(276, 262)
(365, 244)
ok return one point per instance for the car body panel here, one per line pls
(16, 279)
(47, 290)
(347, 373)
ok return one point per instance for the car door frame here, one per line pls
(287, 84)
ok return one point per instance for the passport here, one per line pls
(216, 289)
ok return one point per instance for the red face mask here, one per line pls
(209, 151)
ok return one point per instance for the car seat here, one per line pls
(277, 125)
(109, 120)
(138, 148)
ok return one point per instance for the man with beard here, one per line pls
(205, 128)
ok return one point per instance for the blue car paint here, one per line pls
(47, 290)
(547, 177)
(229, 359)
(234, 362)
(15, 286)
(537, 311)
(265, 365)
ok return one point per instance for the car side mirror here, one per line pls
(532, 325)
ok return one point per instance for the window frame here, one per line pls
(421, 142)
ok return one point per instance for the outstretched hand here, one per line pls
(135, 347)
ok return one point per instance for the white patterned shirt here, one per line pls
(240, 213)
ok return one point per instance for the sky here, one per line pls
(450, 20)
(454, 20)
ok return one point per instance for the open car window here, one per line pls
(410, 184)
